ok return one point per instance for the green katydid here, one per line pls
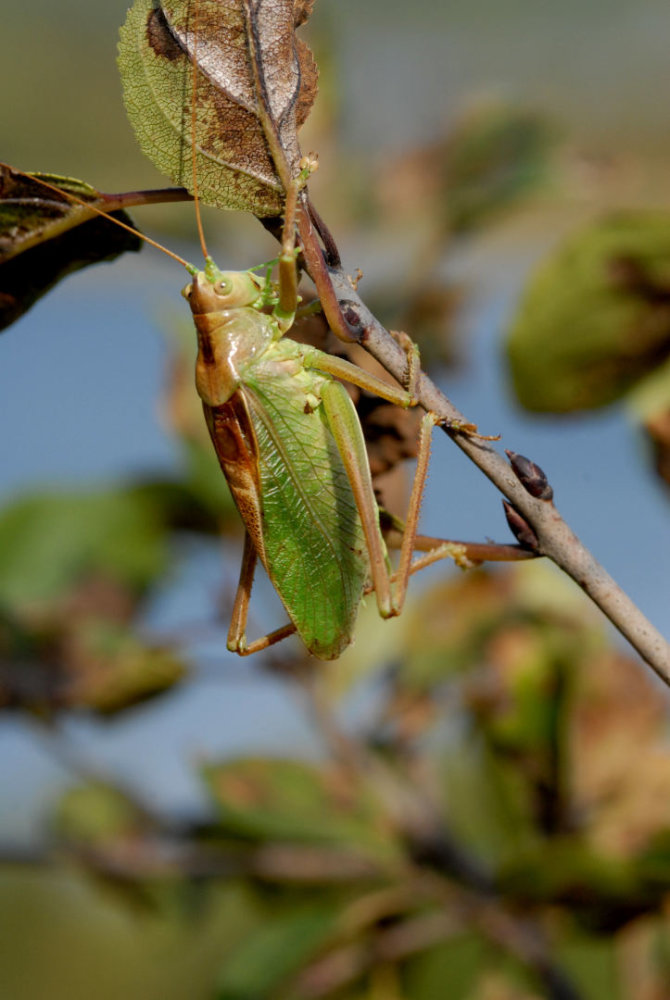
(291, 447)
(290, 444)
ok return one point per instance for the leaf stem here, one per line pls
(153, 196)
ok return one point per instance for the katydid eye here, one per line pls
(224, 287)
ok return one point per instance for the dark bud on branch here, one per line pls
(520, 528)
(351, 316)
(531, 476)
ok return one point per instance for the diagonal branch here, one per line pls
(350, 318)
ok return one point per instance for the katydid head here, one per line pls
(213, 290)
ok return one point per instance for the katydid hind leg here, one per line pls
(349, 372)
(464, 554)
(346, 429)
(404, 570)
(237, 642)
(349, 438)
(237, 638)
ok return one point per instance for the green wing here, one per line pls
(316, 553)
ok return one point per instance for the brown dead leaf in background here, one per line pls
(620, 756)
(44, 237)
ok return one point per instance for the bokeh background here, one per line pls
(83, 400)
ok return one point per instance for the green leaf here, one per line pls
(95, 813)
(117, 669)
(654, 862)
(171, 952)
(487, 804)
(82, 659)
(277, 950)
(565, 869)
(451, 969)
(44, 237)
(650, 405)
(49, 543)
(594, 964)
(197, 501)
(595, 318)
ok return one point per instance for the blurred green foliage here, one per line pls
(595, 318)
(501, 825)
(493, 157)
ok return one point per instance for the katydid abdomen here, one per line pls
(315, 548)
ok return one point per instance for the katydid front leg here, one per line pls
(288, 272)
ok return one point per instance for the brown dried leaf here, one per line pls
(255, 85)
(620, 770)
(303, 9)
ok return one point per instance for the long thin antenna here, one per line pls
(98, 211)
(194, 108)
